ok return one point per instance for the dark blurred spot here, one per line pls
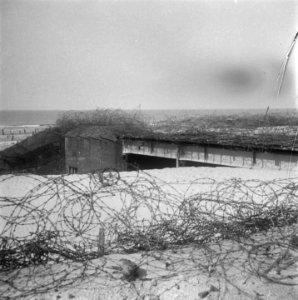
(240, 80)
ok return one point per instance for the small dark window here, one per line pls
(72, 170)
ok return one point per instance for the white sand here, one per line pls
(19, 185)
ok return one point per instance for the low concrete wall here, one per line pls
(158, 149)
(212, 155)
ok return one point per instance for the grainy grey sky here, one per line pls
(153, 54)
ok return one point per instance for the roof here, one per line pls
(248, 139)
(265, 141)
(94, 132)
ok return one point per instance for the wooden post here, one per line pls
(254, 158)
(205, 154)
(101, 242)
(177, 157)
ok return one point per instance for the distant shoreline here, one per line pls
(26, 126)
(49, 117)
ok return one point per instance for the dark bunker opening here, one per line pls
(147, 162)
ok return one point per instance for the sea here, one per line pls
(49, 117)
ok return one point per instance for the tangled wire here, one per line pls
(69, 221)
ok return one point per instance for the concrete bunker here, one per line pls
(91, 148)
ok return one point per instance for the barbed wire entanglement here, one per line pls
(70, 228)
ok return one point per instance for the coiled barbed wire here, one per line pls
(68, 221)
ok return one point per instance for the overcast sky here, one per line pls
(153, 54)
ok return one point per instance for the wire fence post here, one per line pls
(177, 157)
(101, 241)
